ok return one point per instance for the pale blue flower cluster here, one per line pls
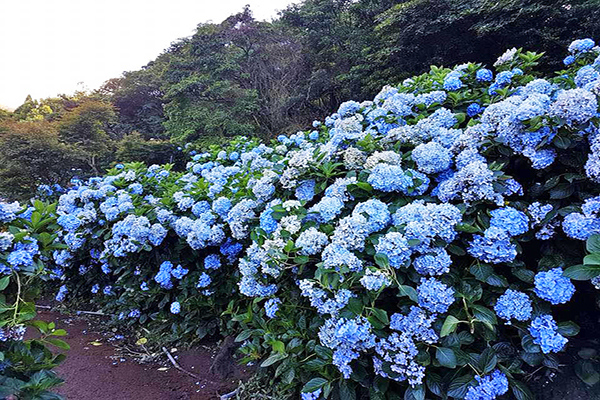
(375, 280)
(543, 329)
(489, 387)
(513, 305)
(271, 307)
(552, 286)
(434, 295)
(347, 338)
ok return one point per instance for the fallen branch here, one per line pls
(99, 313)
(228, 395)
(177, 366)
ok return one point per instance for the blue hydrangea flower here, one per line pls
(489, 387)
(484, 75)
(20, 258)
(569, 60)
(62, 293)
(494, 247)
(437, 261)
(163, 277)
(221, 206)
(328, 208)
(575, 106)
(395, 246)
(431, 157)
(312, 395)
(179, 272)
(452, 82)
(306, 190)
(473, 109)
(347, 338)
(389, 178)
(203, 281)
(175, 307)
(69, 222)
(544, 332)
(434, 295)
(510, 220)
(538, 211)
(348, 108)
(375, 280)
(581, 227)
(311, 241)
(553, 287)
(376, 212)
(581, 45)
(271, 307)
(513, 305)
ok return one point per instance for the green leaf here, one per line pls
(446, 357)
(484, 314)
(487, 361)
(315, 364)
(528, 345)
(582, 272)
(592, 259)
(382, 260)
(414, 393)
(4, 282)
(381, 315)
(466, 228)
(405, 290)
(593, 244)
(347, 390)
(314, 384)
(568, 328)
(278, 346)
(587, 373)
(454, 249)
(562, 191)
(243, 335)
(273, 358)
(481, 271)
(459, 386)
(449, 326)
(61, 344)
(521, 391)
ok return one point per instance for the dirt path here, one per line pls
(95, 368)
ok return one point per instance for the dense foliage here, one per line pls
(26, 244)
(261, 79)
(414, 245)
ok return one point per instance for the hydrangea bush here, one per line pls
(417, 244)
(26, 244)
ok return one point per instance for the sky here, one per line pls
(59, 46)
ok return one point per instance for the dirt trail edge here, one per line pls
(96, 369)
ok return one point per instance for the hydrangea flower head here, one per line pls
(544, 332)
(513, 305)
(553, 287)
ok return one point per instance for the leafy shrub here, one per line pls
(26, 243)
(411, 244)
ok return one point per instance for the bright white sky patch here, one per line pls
(49, 47)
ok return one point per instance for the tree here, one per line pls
(238, 77)
(88, 127)
(31, 154)
(138, 99)
(134, 147)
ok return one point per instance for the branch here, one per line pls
(177, 366)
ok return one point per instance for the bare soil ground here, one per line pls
(98, 367)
